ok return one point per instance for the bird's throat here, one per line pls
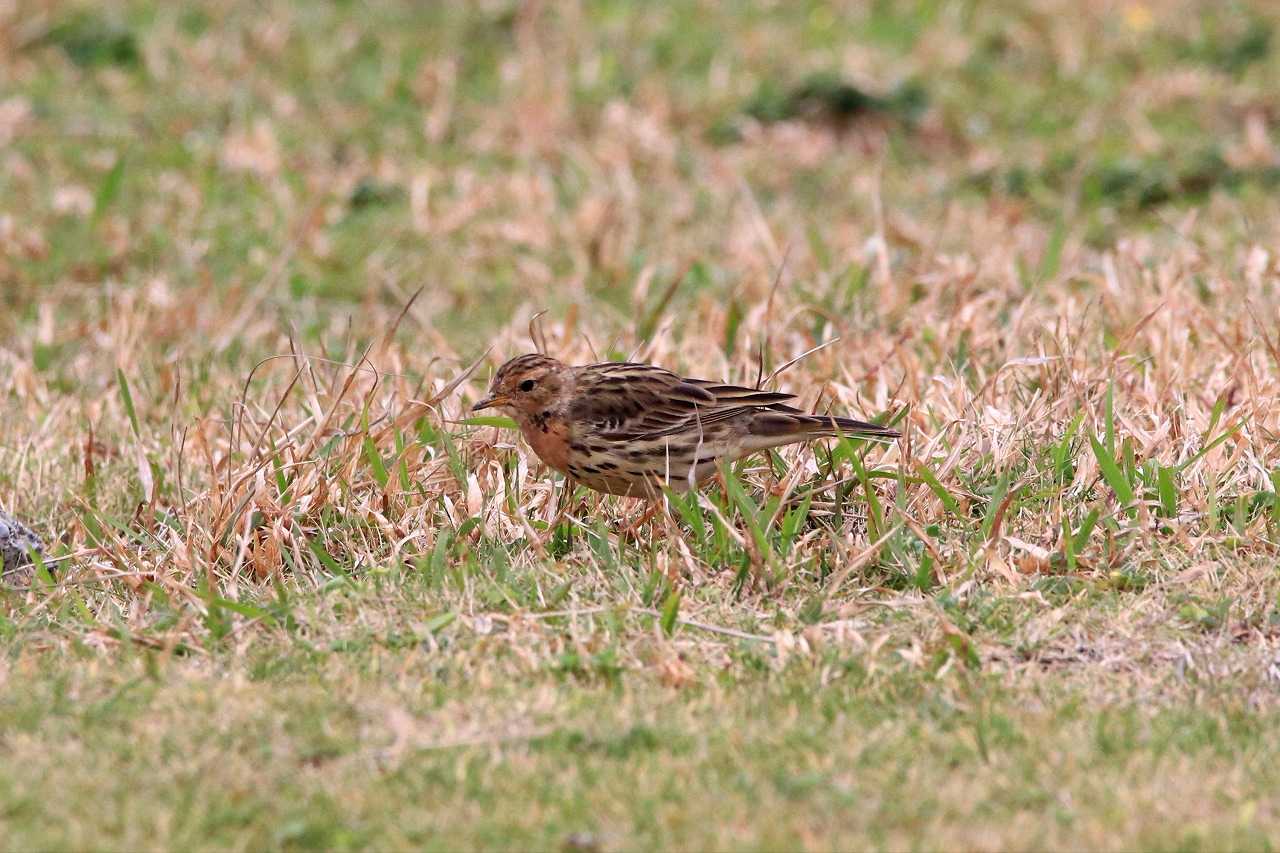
(548, 435)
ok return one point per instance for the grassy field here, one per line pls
(298, 599)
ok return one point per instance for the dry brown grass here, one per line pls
(203, 502)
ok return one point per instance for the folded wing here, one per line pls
(626, 401)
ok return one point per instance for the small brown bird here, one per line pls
(627, 428)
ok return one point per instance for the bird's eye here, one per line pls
(527, 385)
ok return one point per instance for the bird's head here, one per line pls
(526, 385)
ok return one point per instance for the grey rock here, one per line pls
(17, 542)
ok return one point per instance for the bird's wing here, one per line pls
(625, 401)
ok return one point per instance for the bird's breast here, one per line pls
(549, 437)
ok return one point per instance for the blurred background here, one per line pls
(311, 160)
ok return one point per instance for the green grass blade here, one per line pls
(1068, 544)
(792, 522)
(747, 508)
(875, 515)
(109, 189)
(1081, 539)
(1061, 451)
(1111, 473)
(244, 608)
(1168, 492)
(690, 510)
(374, 459)
(440, 621)
(670, 613)
(1202, 452)
(499, 421)
(993, 505)
(1219, 407)
(457, 466)
(127, 398)
(325, 558)
(731, 323)
(935, 485)
(1275, 495)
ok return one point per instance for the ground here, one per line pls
(296, 597)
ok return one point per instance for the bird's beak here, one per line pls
(488, 403)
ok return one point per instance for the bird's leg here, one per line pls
(671, 568)
(633, 528)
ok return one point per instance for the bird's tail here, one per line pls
(770, 429)
(832, 425)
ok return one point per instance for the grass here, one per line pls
(350, 749)
(298, 598)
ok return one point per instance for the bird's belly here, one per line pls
(622, 473)
(631, 487)
(649, 484)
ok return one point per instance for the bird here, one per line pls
(631, 429)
